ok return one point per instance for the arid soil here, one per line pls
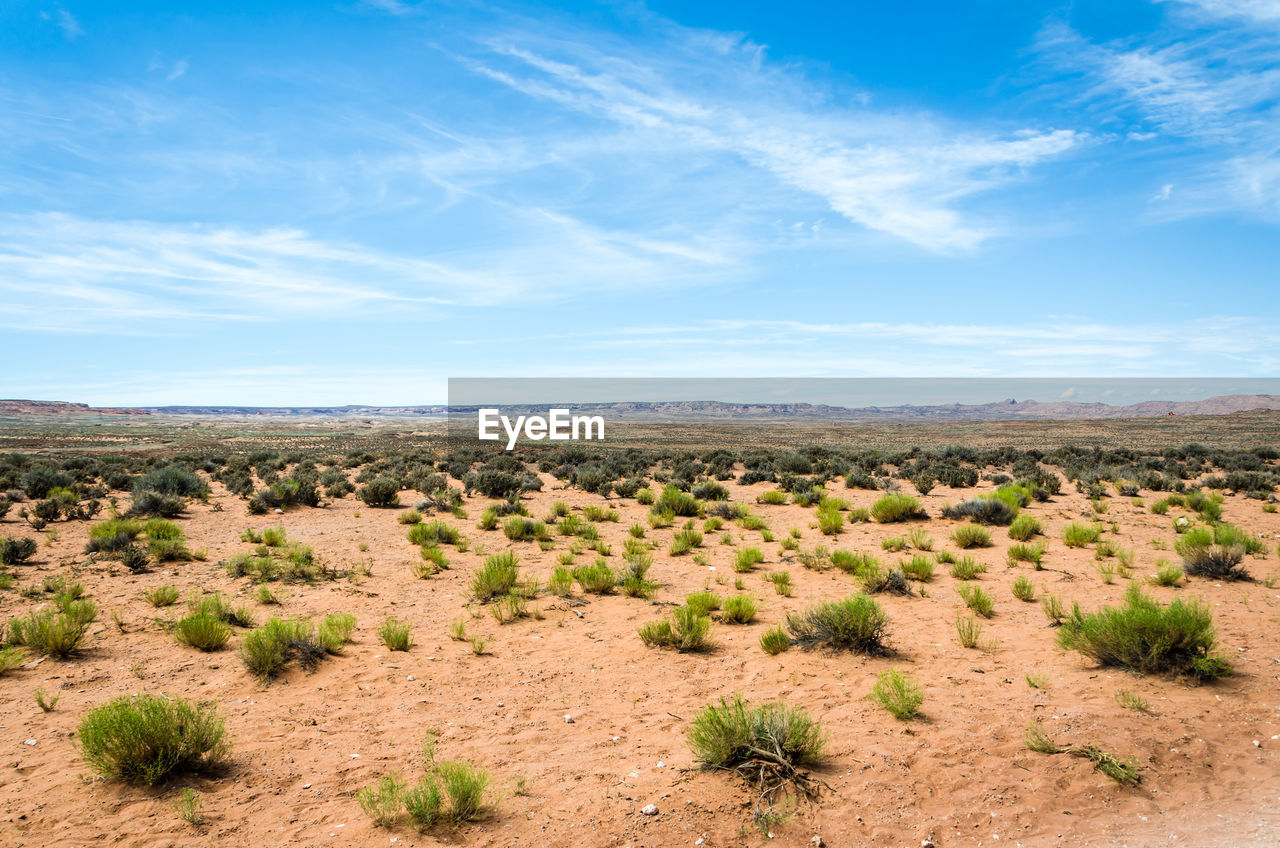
(304, 744)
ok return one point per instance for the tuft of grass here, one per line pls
(747, 559)
(1051, 606)
(335, 632)
(11, 657)
(768, 745)
(1167, 574)
(685, 631)
(1143, 636)
(1132, 701)
(971, 536)
(45, 702)
(202, 631)
(774, 641)
(738, 609)
(898, 693)
(596, 579)
(896, 507)
(1077, 535)
(968, 630)
(1121, 771)
(162, 596)
(1024, 527)
(383, 804)
(919, 567)
(966, 568)
(397, 635)
(497, 577)
(857, 623)
(976, 599)
(920, 539)
(50, 633)
(190, 807)
(146, 738)
(268, 649)
(781, 581)
(1037, 679)
(1032, 553)
(1024, 590)
(1215, 553)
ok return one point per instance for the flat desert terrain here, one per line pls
(581, 726)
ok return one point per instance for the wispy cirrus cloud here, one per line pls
(718, 95)
(1209, 80)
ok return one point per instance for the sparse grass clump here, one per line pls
(898, 693)
(976, 599)
(202, 631)
(685, 540)
(1032, 553)
(145, 738)
(985, 509)
(335, 632)
(53, 634)
(968, 630)
(738, 609)
(781, 581)
(747, 559)
(1121, 771)
(767, 745)
(162, 596)
(1215, 553)
(497, 577)
(269, 648)
(919, 567)
(971, 536)
(1024, 590)
(1144, 636)
(856, 623)
(397, 635)
(774, 641)
(896, 507)
(1024, 527)
(596, 579)
(967, 568)
(1077, 535)
(1167, 575)
(686, 630)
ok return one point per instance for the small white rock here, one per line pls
(649, 810)
(568, 719)
(29, 742)
(410, 678)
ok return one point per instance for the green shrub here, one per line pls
(856, 623)
(272, 537)
(16, 551)
(54, 634)
(1077, 535)
(1032, 553)
(830, 521)
(162, 596)
(380, 492)
(677, 503)
(774, 641)
(747, 559)
(781, 581)
(268, 649)
(985, 509)
(919, 567)
(433, 562)
(1024, 527)
(385, 803)
(409, 516)
(896, 507)
(733, 734)
(1146, 637)
(596, 579)
(434, 532)
(971, 536)
(397, 635)
(898, 693)
(967, 568)
(738, 609)
(703, 602)
(1024, 590)
(497, 577)
(335, 632)
(1167, 575)
(561, 582)
(968, 631)
(202, 631)
(1051, 606)
(520, 529)
(11, 657)
(976, 599)
(685, 540)
(1215, 553)
(145, 738)
(772, 498)
(686, 630)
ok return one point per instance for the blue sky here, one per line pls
(296, 203)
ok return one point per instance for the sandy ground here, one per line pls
(304, 744)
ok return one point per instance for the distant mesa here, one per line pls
(1008, 409)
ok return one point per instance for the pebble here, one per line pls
(29, 742)
(411, 678)
(649, 810)
(568, 719)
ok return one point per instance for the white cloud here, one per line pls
(905, 175)
(1256, 10)
(69, 25)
